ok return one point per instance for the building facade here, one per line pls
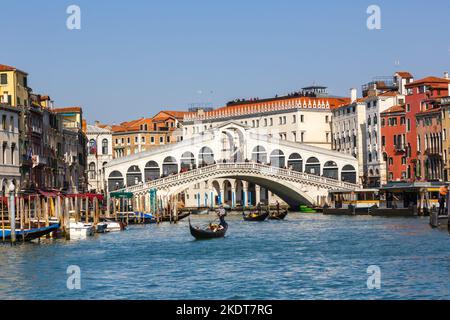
(445, 108)
(9, 142)
(393, 138)
(100, 152)
(419, 97)
(303, 117)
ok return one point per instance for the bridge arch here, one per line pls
(331, 170)
(151, 171)
(313, 166)
(115, 181)
(348, 174)
(296, 162)
(170, 166)
(134, 176)
(277, 158)
(259, 154)
(187, 161)
(205, 157)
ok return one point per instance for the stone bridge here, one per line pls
(223, 164)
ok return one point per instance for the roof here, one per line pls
(404, 74)
(95, 129)
(259, 106)
(431, 110)
(4, 67)
(394, 109)
(67, 109)
(431, 81)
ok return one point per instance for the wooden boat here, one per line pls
(274, 215)
(29, 234)
(256, 216)
(180, 217)
(205, 234)
(113, 226)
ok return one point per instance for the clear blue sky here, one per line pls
(134, 58)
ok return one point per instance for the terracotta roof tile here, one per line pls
(68, 109)
(394, 109)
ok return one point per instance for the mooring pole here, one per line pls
(12, 212)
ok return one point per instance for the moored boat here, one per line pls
(29, 234)
(114, 226)
(80, 230)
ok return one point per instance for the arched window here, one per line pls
(205, 157)
(105, 146)
(330, 170)
(151, 171)
(92, 172)
(277, 159)
(134, 176)
(313, 166)
(187, 161)
(170, 166)
(259, 155)
(295, 162)
(348, 174)
(115, 181)
(92, 146)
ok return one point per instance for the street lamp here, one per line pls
(12, 211)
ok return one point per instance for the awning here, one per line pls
(89, 196)
(49, 193)
(127, 195)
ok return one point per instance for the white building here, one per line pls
(100, 152)
(303, 117)
(9, 143)
(356, 127)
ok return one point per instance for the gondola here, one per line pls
(205, 234)
(278, 215)
(255, 216)
(29, 234)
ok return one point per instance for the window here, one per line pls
(135, 139)
(143, 139)
(271, 121)
(326, 119)
(161, 139)
(3, 79)
(294, 119)
(11, 124)
(302, 136)
(302, 118)
(128, 140)
(105, 146)
(408, 107)
(13, 149)
(4, 122)
(408, 125)
(152, 140)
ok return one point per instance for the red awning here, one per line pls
(48, 193)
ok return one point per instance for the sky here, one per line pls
(131, 59)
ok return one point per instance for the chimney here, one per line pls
(97, 123)
(353, 95)
(446, 75)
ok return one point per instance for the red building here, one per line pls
(419, 93)
(393, 139)
(430, 164)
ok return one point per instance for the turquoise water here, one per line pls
(304, 257)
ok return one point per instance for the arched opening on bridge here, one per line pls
(277, 159)
(313, 166)
(187, 162)
(348, 174)
(205, 157)
(330, 170)
(115, 181)
(295, 162)
(170, 166)
(151, 171)
(134, 176)
(216, 192)
(239, 193)
(259, 155)
(227, 192)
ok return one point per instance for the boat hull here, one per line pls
(30, 234)
(259, 218)
(278, 216)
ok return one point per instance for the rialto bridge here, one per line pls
(229, 164)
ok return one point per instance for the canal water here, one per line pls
(304, 257)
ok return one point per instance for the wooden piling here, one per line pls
(29, 212)
(3, 219)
